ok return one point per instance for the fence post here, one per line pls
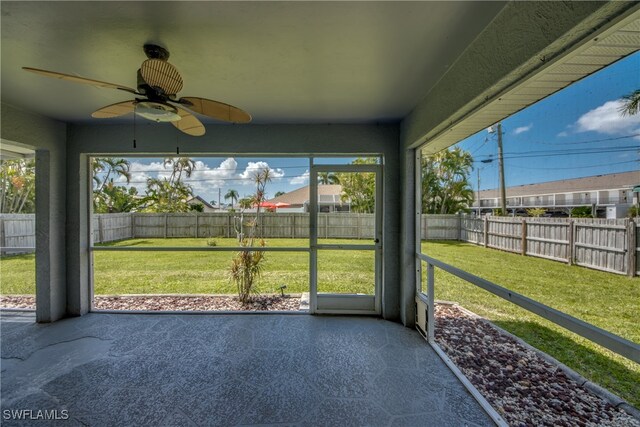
(166, 220)
(3, 239)
(293, 225)
(524, 237)
(100, 229)
(358, 226)
(196, 224)
(485, 231)
(631, 248)
(326, 227)
(229, 224)
(571, 249)
(132, 217)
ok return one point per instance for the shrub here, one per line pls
(212, 242)
(581, 212)
(246, 269)
(634, 211)
(536, 212)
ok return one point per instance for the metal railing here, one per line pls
(613, 342)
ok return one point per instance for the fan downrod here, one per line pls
(153, 51)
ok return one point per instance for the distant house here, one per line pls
(329, 198)
(606, 191)
(197, 200)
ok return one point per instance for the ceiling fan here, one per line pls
(158, 84)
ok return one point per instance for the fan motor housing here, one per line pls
(153, 51)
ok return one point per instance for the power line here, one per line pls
(511, 165)
(249, 180)
(590, 141)
(215, 169)
(575, 152)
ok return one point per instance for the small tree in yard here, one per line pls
(246, 266)
(536, 212)
(17, 186)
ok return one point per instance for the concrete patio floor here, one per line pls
(223, 370)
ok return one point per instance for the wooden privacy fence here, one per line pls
(19, 230)
(17, 234)
(272, 225)
(608, 245)
(602, 244)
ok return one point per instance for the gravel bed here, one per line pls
(17, 301)
(174, 303)
(523, 387)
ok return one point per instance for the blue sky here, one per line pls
(573, 133)
(225, 173)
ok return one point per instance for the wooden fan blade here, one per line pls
(216, 110)
(189, 123)
(159, 73)
(115, 110)
(77, 79)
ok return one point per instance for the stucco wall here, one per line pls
(48, 138)
(161, 139)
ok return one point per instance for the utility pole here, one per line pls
(503, 190)
(479, 206)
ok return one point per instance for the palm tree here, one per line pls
(246, 202)
(233, 195)
(631, 103)
(445, 181)
(179, 165)
(326, 178)
(163, 196)
(109, 165)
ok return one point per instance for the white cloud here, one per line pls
(255, 167)
(300, 179)
(140, 172)
(606, 119)
(563, 134)
(204, 177)
(523, 129)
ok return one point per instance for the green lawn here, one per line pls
(607, 300)
(18, 274)
(205, 272)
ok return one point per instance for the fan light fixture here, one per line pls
(157, 112)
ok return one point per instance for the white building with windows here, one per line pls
(604, 191)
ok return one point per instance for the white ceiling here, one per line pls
(284, 62)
